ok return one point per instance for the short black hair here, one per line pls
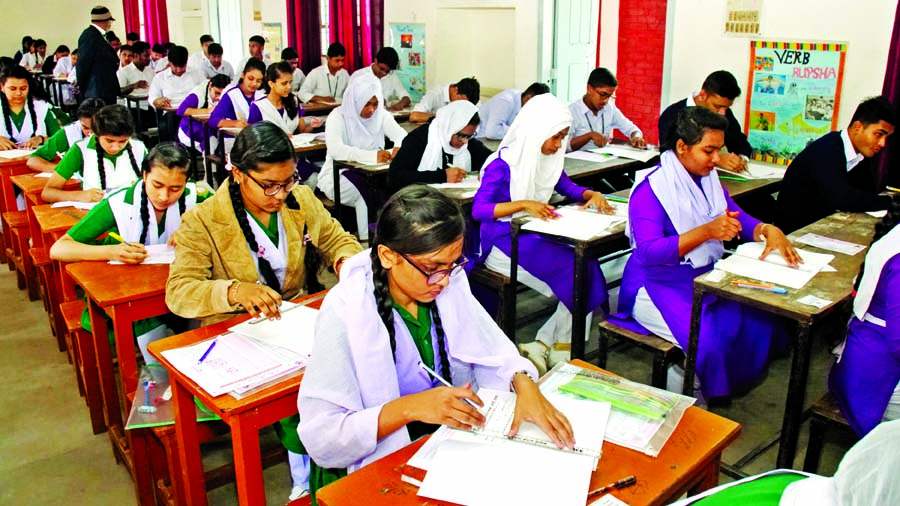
(258, 39)
(74, 52)
(214, 49)
(723, 84)
(139, 47)
(40, 42)
(336, 49)
(875, 109)
(27, 40)
(159, 49)
(388, 56)
(89, 107)
(536, 89)
(469, 87)
(170, 45)
(178, 56)
(206, 38)
(111, 36)
(132, 36)
(289, 53)
(62, 48)
(601, 77)
(126, 47)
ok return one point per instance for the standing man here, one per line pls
(396, 98)
(716, 94)
(97, 62)
(594, 116)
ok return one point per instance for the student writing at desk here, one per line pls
(498, 113)
(679, 217)
(594, 116)
(520, 178)
(169, 88)
(202, 100)
(260, 240)
(233, 109)
(108, 160)
(46, 157)
(27, 120)
(442, 151)
(466, 89)
(835, 173)
(355, 131)
(326, 83)
(866, 377)
(146, 213)
(364, 394)
(396, 98)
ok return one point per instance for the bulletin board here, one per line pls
(409, 41)
(794, 93)
(274, 39)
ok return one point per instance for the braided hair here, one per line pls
(171, 156)
(220, 81)
(276, 70)
(259, 143)
(417, 220)
(17, 72)
(114, 120)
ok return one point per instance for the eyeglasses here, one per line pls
(604, 95)
(463, 137)
(272, 189)
(433, 278)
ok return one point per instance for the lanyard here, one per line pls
(587, 116)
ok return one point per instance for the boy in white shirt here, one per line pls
(326, 83)
(213, 64)
(169, 88)
(256, 46)
(466, 89)
(291, 56)
(396, 98)
(594, 116)
(195, 62)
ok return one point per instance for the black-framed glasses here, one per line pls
(463, 137)
(272, 189)
(433, 278)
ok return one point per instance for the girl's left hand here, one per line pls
(532, 406)
(6, 144)
(600, 204)
(171, 242)
(33, 143)
(776, 240)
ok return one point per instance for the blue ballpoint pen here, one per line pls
(206, 353)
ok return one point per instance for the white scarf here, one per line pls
(41, 109)
(277, 256)
(478, 350)
(128, 215)
(359, 132)
(270, 113)
(532, 174)
(880, 252)
(74, 133)
(239, 101)
(687, 205)
(450, 119)
(118, 175)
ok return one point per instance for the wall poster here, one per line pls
(409, 41)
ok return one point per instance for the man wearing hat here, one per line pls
(97, 60)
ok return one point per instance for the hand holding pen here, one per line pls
(539, 209)
(127, 252)
(452, 406)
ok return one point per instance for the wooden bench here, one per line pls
(326, 202)
(825, 413)
(664, 352)
(80, 342)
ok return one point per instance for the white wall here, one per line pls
(56, 21)
(454, 51)
(698, 46)
(609, 34)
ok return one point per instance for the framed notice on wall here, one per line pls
(274, 39)
(794, 96)
(409, 41)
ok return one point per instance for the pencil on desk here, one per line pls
(614, 198)
(733, 178)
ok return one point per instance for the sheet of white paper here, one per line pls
(467, 182)
(424, 456)
(812, 300)
(293, 333)
(303, 139)
(85, 206)
(590, 156)
(715, 276)
(756, 170)
(15, 153)
(575, 223)
(629, 152)
(156, 254)
(765, 271)
(812, 262)
(609, 500)
(480, 474)
(46, 175)
(827, 243)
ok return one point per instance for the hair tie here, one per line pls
(260, 252)
(306, 239)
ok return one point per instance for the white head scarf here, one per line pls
(358, 131)
(879, 254)
(532, 174)
(449, 119)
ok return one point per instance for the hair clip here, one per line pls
(260, 252)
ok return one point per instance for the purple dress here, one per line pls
(864, 379)
(735, 341)
(192, 101)
(546, 260)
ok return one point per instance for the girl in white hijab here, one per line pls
(442, 151)
(520, 178)
(355, 132)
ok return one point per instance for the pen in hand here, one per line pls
(121, 239)
(438, 377)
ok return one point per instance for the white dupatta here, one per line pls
(128, 215)
(450, 119)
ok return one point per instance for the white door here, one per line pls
(574, 46)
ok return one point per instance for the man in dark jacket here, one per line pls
(97, 60)
(835, 173)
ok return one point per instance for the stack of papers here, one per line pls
(621, 151)
(85, 206)
(590, 156)
(827, 243)
(47, 175)
(292, 335)
(758, 170)
(581, 224)
(468, 183)
(774, 269)
(300, 140)
(15, 153)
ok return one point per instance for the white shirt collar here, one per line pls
(102, 31)
(853, 158)
(690, 100)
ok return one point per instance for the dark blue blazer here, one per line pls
(97, 65)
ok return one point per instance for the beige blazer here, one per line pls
(211, 253)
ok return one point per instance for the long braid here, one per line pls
(134, 165)
(30, 102)
(145, 215)
(312, 260)
(442, 347)
(237, 203)
(7, 116)
(206, 97)
(101, 167)
(182, 203)
(384, 302)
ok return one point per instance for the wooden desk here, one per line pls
(51, 221)
(374, 174)
(126, 293)
(245, 416)
(203, 119)
(8, 168)
(833, 286)
(317, 108)
(689, 462)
